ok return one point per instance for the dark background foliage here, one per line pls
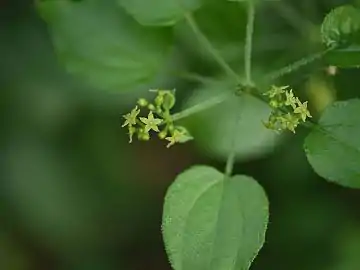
(75, 195)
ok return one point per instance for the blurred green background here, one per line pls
(75, 195)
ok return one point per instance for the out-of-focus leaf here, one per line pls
(64, 202)
(321, 93)
(214, 129)
(97, 41)
(44, 197)
(159, 12)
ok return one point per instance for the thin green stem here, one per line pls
(255, 92)
(206, 43)
(247, 66)
(248, 41)
(193, 77)
(230, 164)
(231, 158)
(202, 106)
(296, 65)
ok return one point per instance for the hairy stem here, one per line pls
(247, 66)
(201, 106)
(296, 65)
(206, 43)
(248, 41)
(255, 92)
(231, 158)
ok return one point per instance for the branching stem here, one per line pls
(231, 73)
(296, 65)
(248, 41)
(209, 47)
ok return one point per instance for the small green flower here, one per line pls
(276, 104)
(130, 118)
(162, 135)
(151, 107)
(302, 110)
(289, 122)
(143, 102)
(276, 91)
(158, 114)
(290, 99)
(269, 125)
(171, 128)
(151, 123)
(159, 100)
(176, 137)
(143, 136)
(180, 135)
(279, 98)
(159, 111)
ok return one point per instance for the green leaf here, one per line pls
(214, 128)
(341, 26)
(334, 149)
(159, 12)
(348, 57)
(97, 41)
(212, 223)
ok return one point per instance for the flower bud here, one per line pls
(162, 135)
(171, 128)
(274, 104)
(142, 102)
(151, 107)
(159, 100)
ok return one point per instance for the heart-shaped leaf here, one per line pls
(213, 223)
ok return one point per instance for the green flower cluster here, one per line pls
(158, 117)
(287, 111)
